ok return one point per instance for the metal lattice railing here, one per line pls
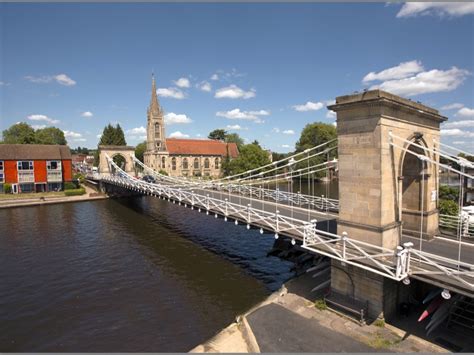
(397, 264)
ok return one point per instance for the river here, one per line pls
(131, 275)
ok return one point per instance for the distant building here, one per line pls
(182, 157)
(34, 167)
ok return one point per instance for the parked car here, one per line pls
(468, 211)
(149, 178)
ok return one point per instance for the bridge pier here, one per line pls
(383, 191)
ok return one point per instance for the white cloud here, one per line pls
(288, 131)
(276, 130)
(178, 134)
(73, 135)
(452, 106)
(4, 83)
(459, 142)
(285, 146)
(236, 114)
(87, 114)
(235, 127)
(182, 83)
(425, 82)
(137, 131)
(170, 92)
(205, 86)
(42, 118)
(173, 118)
(215, 77)
(234, 92)
(459, 124)
(79, 140)
(99, 135)
(61, 79)
(466, 112)
(309, 106)
(402, 70)
(436, 8)
(39, 126)
(457, 133)
(331, 114)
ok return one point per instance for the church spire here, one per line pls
(154, 105)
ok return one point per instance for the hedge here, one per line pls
(75, 192)
(69, 186)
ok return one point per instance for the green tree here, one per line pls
(251, 156)
(50, 135)
(19, 133)
(112, 136)
(234, 138)
(314, 134)
(140, 150)
(218, 134)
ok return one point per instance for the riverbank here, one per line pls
(46, 199)
(288, 321)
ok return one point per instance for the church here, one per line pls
(182, 157)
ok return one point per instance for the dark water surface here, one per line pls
(135, 274)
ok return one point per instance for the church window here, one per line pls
(173, 164)
(206, 163)
(216, 163)
(163, 163)
(185, 163)
(196, 163)
(157, 131)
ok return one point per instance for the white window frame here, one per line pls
(31, 165)
(58, 166)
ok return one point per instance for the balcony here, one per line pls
(26, 176)
(55, 176)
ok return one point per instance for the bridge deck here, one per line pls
(293, 221)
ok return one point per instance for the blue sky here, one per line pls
(262, 70)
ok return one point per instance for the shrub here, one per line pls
(448, 207)
(163, 172)
(7, 188)
(448, 193)
(69, 186)
(80, 177)
(75, 192)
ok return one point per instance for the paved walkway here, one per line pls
(288, 321)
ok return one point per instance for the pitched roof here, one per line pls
(201, 147)
(34, 152)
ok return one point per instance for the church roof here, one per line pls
(201, 147)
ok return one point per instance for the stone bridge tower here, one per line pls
(381, 194)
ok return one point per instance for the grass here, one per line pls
(320, 304)
(379, 342)
(379, 323)
(29, 195)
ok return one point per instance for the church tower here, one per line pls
(155, 130)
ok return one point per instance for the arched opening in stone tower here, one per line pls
(414, 190)
(120, 160)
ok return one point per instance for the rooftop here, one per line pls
(201, 147)
(34, 152)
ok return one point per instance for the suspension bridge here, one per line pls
(385, 224)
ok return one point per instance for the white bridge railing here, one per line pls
(397, 264)
(461, 225)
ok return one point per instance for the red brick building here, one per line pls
(34, 167)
